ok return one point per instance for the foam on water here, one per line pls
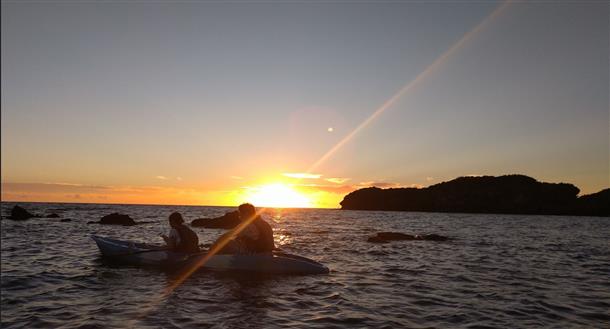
(500, 271)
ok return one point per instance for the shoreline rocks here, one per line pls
(19, 213)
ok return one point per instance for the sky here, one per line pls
(217, 103)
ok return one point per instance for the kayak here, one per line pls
(142, 254)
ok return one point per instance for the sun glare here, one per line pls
(278, 196)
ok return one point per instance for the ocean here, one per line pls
(498, 271)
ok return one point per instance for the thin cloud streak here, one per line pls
(302, 175)
(337, 180)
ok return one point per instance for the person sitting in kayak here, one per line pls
(181, 238)
(257, 237)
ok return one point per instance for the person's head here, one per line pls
(175, 219)
(246, 210)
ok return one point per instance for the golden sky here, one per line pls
(296, 105)
(293, 190)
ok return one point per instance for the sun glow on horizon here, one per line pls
(278, 195)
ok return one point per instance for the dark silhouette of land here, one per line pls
(509, 194)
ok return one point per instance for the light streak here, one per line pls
(410, 85)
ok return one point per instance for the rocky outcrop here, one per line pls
(596, 204)
(19, 213)
(227, 221)
(385, 237)
(510, 194)
(116, 219)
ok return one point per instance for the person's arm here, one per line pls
(170, 240)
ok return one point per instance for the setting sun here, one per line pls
(278, 195)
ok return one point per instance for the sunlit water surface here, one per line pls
(499, 271)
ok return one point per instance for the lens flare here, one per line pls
(410, 85)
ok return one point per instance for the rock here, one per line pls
(65, 220)
(395, 236)
(432, 237)
(227, 221)
(52, 216)
(596, 204)
(19, 213)
(117, 219)
(376, 239)
(385, 237)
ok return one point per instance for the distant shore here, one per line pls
(508, 194)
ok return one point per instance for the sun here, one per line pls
(278, 195)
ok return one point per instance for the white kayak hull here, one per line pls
(149, 255)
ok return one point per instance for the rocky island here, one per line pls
(508, 194)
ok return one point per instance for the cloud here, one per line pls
(338, 189)
(236, 177)
(302, 175)
(337, 180)
(51, 192)
(48, 187)
(16, 196)
(68, 185)
(429, 179)
(62, 184)
(179, 178)
(379, 184)
(161, 177)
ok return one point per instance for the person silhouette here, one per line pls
(181, 238)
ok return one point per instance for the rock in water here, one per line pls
(117, 219)
(433, 237)
(376, 239)
(19, 213)
(395, 236)
(52, 216)
(227, 221)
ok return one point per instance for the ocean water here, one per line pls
(499, 271)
